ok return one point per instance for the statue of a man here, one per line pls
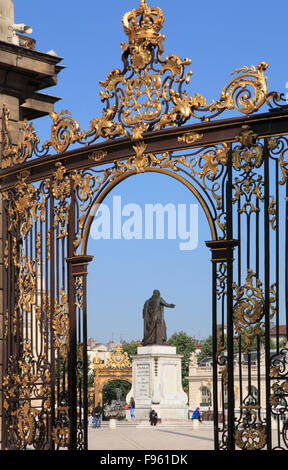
(154, 324)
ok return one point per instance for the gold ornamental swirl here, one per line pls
(248, 310)
(28, 381)
(251, 438)
(148, 94)
(60, 325)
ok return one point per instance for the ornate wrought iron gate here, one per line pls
(236, 168)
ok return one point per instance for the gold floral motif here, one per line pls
(283, 167)
(61, 183)
(248, 311)
(97, 155)
(26, 418)
(26, 380)
(79, 292)
(249, 154)
(60, 325)
(118, 359)
(61, 191)
(248, 186)
(190, 137)
(27, 144)
(246, 158)
(61, 432)
(278, 146)
(141, 161)
(272, 210)
(279, 382)
(138, 130)
(251, 438)
(25, 204)
(27, 284)
(147, 87)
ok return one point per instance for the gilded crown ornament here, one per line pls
(143, 23)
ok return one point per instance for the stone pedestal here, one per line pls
(157, 383)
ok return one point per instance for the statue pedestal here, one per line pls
(157, 383)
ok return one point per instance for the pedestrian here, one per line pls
(132, 408)
(97, 413)
(197, 414)
(153, 416)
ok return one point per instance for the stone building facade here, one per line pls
(201, 383)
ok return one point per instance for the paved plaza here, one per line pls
(142, 437)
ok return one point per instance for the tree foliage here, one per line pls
(130, 348)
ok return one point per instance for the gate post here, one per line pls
(77, 395)
(222, 253)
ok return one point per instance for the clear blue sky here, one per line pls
(218, 37)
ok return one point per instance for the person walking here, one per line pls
(197, 414)
(132, 408)
(97, 413)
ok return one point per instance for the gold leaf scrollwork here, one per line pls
(97, 155)
(251, 437)
(61, 183)
(279, 383)
(248, 311)
(64, 131)
(246, 158)
(25, 203)
(61, 431)
(249, 154)
(272, 210)
(27, 284)
(27, 379)
(61, 191)
(118, 359)
(60, 325)
(148, 94)
(190, 137)
(279, 146)
(237, 93)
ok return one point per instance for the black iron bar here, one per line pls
(230, 326)
(267, 291)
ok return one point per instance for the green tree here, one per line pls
(206, 349)
(130, 348)
(184, 345)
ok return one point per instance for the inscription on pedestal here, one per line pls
(143, 380)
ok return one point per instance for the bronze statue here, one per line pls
(154, 324)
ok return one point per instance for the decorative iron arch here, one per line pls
(101, 197)
(237, 169)
(118, 367)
